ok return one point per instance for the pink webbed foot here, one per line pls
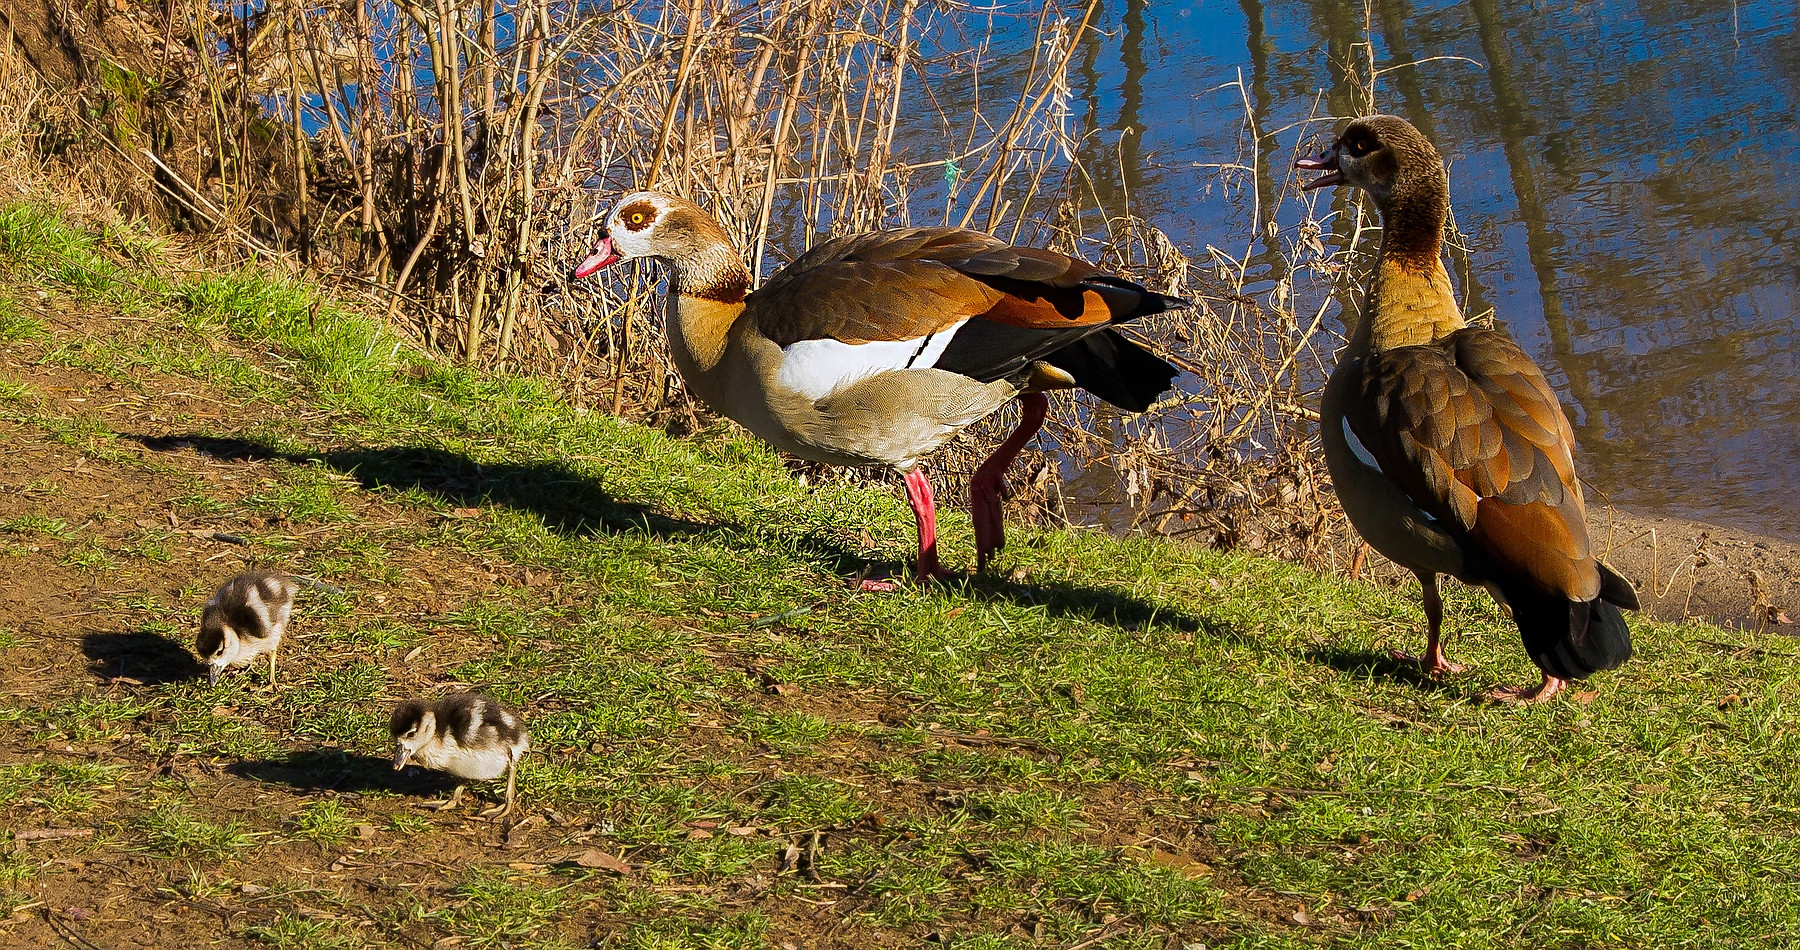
(987, 491)
(891, 585)
(1529, 695)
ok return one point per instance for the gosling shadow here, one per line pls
(149, 658)
(339, 770)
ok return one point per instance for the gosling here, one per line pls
(244, 620)
(472, 736)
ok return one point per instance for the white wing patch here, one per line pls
(1357, 448)
(818, 368)
(1363, 455)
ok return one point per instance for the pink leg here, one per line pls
(924, 506)
(1433, 662)
(988, 487)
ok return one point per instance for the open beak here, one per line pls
(1326, 162)
(603, 256)
(401, 754)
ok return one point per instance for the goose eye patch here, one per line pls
(637, 216)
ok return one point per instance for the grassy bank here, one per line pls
(1109, 743)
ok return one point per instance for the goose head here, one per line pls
(1381, 154)
(649, 224)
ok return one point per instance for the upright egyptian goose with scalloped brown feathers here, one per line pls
(1448, 448)
(877, 348)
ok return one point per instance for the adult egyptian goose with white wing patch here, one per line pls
(878, 348)
(1448, 448)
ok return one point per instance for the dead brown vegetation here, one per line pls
(449, 154)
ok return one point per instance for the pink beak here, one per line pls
(603, 256)
(1326, 162)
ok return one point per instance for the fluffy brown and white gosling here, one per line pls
(1446, 444)
(244, 620)
(472, 736)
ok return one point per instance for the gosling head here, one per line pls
(218, 645)
(413, 725)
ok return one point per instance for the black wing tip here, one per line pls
(1154, 302)
(1116, 370)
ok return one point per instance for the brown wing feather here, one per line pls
(908, 283)
(1471, 430)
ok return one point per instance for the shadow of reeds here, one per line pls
(572, 503)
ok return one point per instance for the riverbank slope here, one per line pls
(1125, 743)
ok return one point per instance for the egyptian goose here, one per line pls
(1447, 445)
(244, 620)
(878, 348)
(472, 736)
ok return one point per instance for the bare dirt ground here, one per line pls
(1688, 569)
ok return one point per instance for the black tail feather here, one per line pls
(1115, 369)
(1617, 590)
(1571, 639)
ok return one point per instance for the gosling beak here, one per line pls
(604, 256)
(212, 675)
(1326, 162)
(401, 754)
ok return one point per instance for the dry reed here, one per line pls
(443, 158)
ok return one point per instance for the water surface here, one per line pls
(1627, 173)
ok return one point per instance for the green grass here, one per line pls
(173, 830)
(16, 326)
(323, 822)
(1140, 745)
(493, 909)
(292, 931)
(35, 525)
(61, 787)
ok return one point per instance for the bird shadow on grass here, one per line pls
(567, 501)
(1103, 605)
(570, 502)
(1381, 665)
(149, 658)
(338, 770)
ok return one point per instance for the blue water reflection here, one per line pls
(1626, 172)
